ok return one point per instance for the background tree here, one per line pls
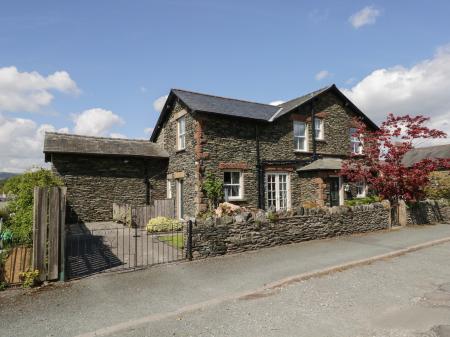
(381, 165)
(20, 208)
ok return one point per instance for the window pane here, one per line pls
(318, 125)
(299, 129)
(227, 191)
(181, 124)
(235, 177)
(227, 177)
(299, 143)
(234, 191)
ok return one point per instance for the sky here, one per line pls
(104, 68)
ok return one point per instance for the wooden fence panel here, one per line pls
(53, 233)
(19, 260)
(140, 215)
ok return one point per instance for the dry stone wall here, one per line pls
(250, 231)
(428, 212)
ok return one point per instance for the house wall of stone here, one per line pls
(95, 183)
(277, 138)
(249, 231)
(181, 161)
(231, 141)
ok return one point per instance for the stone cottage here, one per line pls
(267, 156)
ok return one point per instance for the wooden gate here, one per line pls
(140, 215)
(49, 214)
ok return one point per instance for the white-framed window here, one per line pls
(278, 191)
(233, 185)
(181, 133)
(169, 189)
(361, 189)
(318, 128)
(355, 142)
(300, 136)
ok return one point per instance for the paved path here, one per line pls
(122, 300)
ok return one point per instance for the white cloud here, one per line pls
(366, 16)
(96, 122)
(276, 102)
(30, 91)
(148, 131)
(421, 89)
(322, 75)
(21, 143)
(158, 104)
(117, 135)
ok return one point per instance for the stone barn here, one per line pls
(101, 171)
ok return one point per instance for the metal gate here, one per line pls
(92, 249)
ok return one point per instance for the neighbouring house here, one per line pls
(439, 180)
(428, 152)
(270, 157)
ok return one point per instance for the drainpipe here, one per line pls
(313, 133)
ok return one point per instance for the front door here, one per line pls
(277, 187)
(334, 191)
(179, 198)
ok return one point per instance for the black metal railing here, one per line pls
(91, 251)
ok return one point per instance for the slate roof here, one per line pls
(65, 143)
(431, 152)
(226, 106)
(198, 102)
(296, 102)
(322, 164)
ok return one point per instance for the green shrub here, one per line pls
(213, 188)
(272, 216)
(21, 188)
(439, 186)
(29, 278)
(163, 224)
(363, 201)
(3, 285)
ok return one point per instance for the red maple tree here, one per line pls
(380, 164)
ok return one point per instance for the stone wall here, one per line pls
(232, 142)
(181, 161)
(95, 183)
(248, 231)
(428, 212)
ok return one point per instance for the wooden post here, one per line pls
(62, 232)
(53, 233)
(40, 231)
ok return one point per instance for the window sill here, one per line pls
(180, 150)
(320, 140)
(236, 200)
(301, 151)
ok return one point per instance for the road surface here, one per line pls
(407, 295)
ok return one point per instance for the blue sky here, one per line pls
(120, 56)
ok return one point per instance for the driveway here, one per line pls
(96, 247)
(403, 296)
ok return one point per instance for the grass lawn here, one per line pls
(175, 240)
